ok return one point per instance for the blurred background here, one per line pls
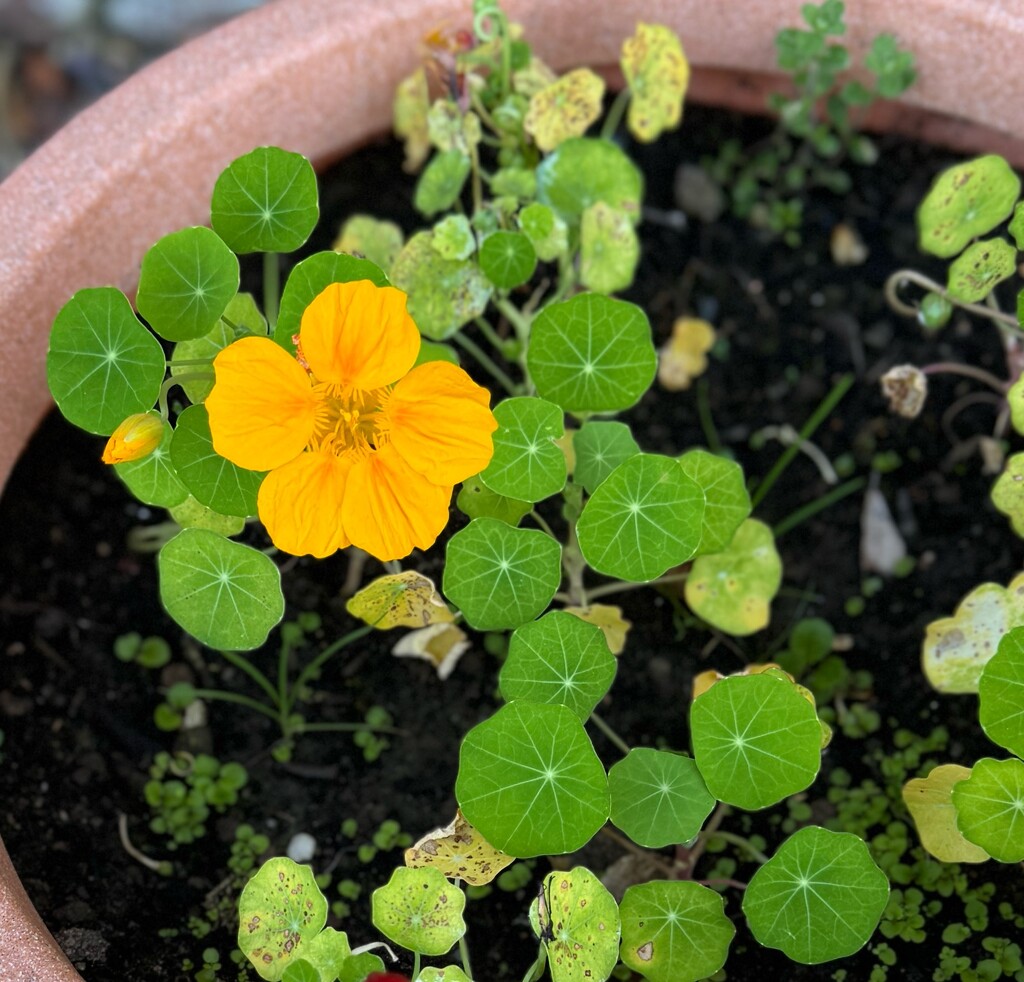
(57, 56)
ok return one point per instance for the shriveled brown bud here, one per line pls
(906, 388)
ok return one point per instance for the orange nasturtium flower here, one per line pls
(362, 448)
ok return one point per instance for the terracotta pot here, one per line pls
(317, 76)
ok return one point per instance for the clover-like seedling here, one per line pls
(966, 201)
(1001, 694)
(460, 852)
(407, 599)
(756, 739)
(674, 931)
(577, 920)
(558, 659)
(420, 910)
(733, 589)
(930, 803)
(530, 781)
(658, 798)
(990, 808)
(527, 464)
(820, 896)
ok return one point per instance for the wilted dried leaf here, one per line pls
(406, 599)
(440, 644)
(881, 545)
(847, 246)
(657, 72)
(906, 388)
(684, 356)
(460, 852)
(564, 109)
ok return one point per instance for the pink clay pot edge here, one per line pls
(142, 161)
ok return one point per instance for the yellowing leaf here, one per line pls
(929, 800)
(410, 118)
(956, 648)
(449, 128)
(535, 76)
(400, 600)
(657, 73)
(683, 358)
(609, 619)
(379, 241)
(564, 109)
(440, 644)
(564, 443)
(460, 853)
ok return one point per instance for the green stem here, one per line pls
(615, 113)
(620, 586)
(239, 700)
(819, 415)
(539, 519)
(271, 288)
(317, 663)
(738, 840)
(283, 700)
(707, 424)
(243, 664)
(464, 955)
(519, 321)
(610, 733)
(490, 333)
(795, 518)
(174, 380)
(901, 276)
(415, 964)
(351, 728)
(486, 362)
(967, 371)
(535, 971)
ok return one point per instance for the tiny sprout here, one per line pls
(906, 388)
(136, 437)
(934, 312)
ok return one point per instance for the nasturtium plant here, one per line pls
(658, 798)
(1001, 694)
(441, 182)
(186, 282)
(507, 258)
(102, 365)
(990, 808)
(420, 910)
(564, 109)
(280, 911)
(644, 518)
(477, 500)
(726, 501)
(558, 659)
(930, 803)
(527, 464)
(530, 781)
(191, 514)
(820, 897)
(966, 201)
(301, 971)
(600, 446)
(674, 931)
(609, 249)
(591, 354)
(225, 594)
(583, 171)
(981, 266)
(152, 479)
(406, 599)
(577, 920)
(265, 201)
(756, 740)
(500, 576)
(460, 852)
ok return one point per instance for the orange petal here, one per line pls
(262, 408)
(389, 509)
(359, 335)
(440, 422)
(300, 504)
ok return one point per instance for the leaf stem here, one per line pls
(610, 733)
(901, 276)
(490, 333)
(271, 288)
(738, 840)
(615, 113)
(539, 519)
(486, 362)
(968, 371)
(535, 971)
(317, 663)
(800, 515)
(464, 955)
(707, 423)
(620, 586)
(242, 663)
(239, 700)
(181, 379)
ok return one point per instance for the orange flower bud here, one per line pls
(137, 436)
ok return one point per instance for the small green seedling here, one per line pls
(151, 652)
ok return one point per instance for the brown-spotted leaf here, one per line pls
(406, 599)
(564, 109)
(460, 852)
(657, 73)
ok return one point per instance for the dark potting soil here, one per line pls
(77, 723)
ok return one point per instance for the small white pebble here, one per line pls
(302, 848)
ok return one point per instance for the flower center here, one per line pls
(349, 421)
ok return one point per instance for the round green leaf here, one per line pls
(379, 241)
(443, 293)
(591, 354)
(499, 576)
(609, 249)
(211, 479)
(420, 909)
(599, 448)
(990, 808)
(187, 280)
(441, 182)
(674, 931)
(507, 259)
(756, 740)
(265, 201)
(818, 898)
(733, 589)
(578, 921)
(974, 274)
(152, 479)
(300, 971)
(966, 201)
(546, 231)
(584, 171)
(478, 501)
(191, 514)
(558, 659)
(530, 781)
(309, 279)
(726, 502)
(358, 967)
(644, 518)
(658, 798)
(527, 463)
(1001, 694)
(226, 595)
(102, 364)
(281, 910)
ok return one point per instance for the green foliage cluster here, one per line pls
(816, 132)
